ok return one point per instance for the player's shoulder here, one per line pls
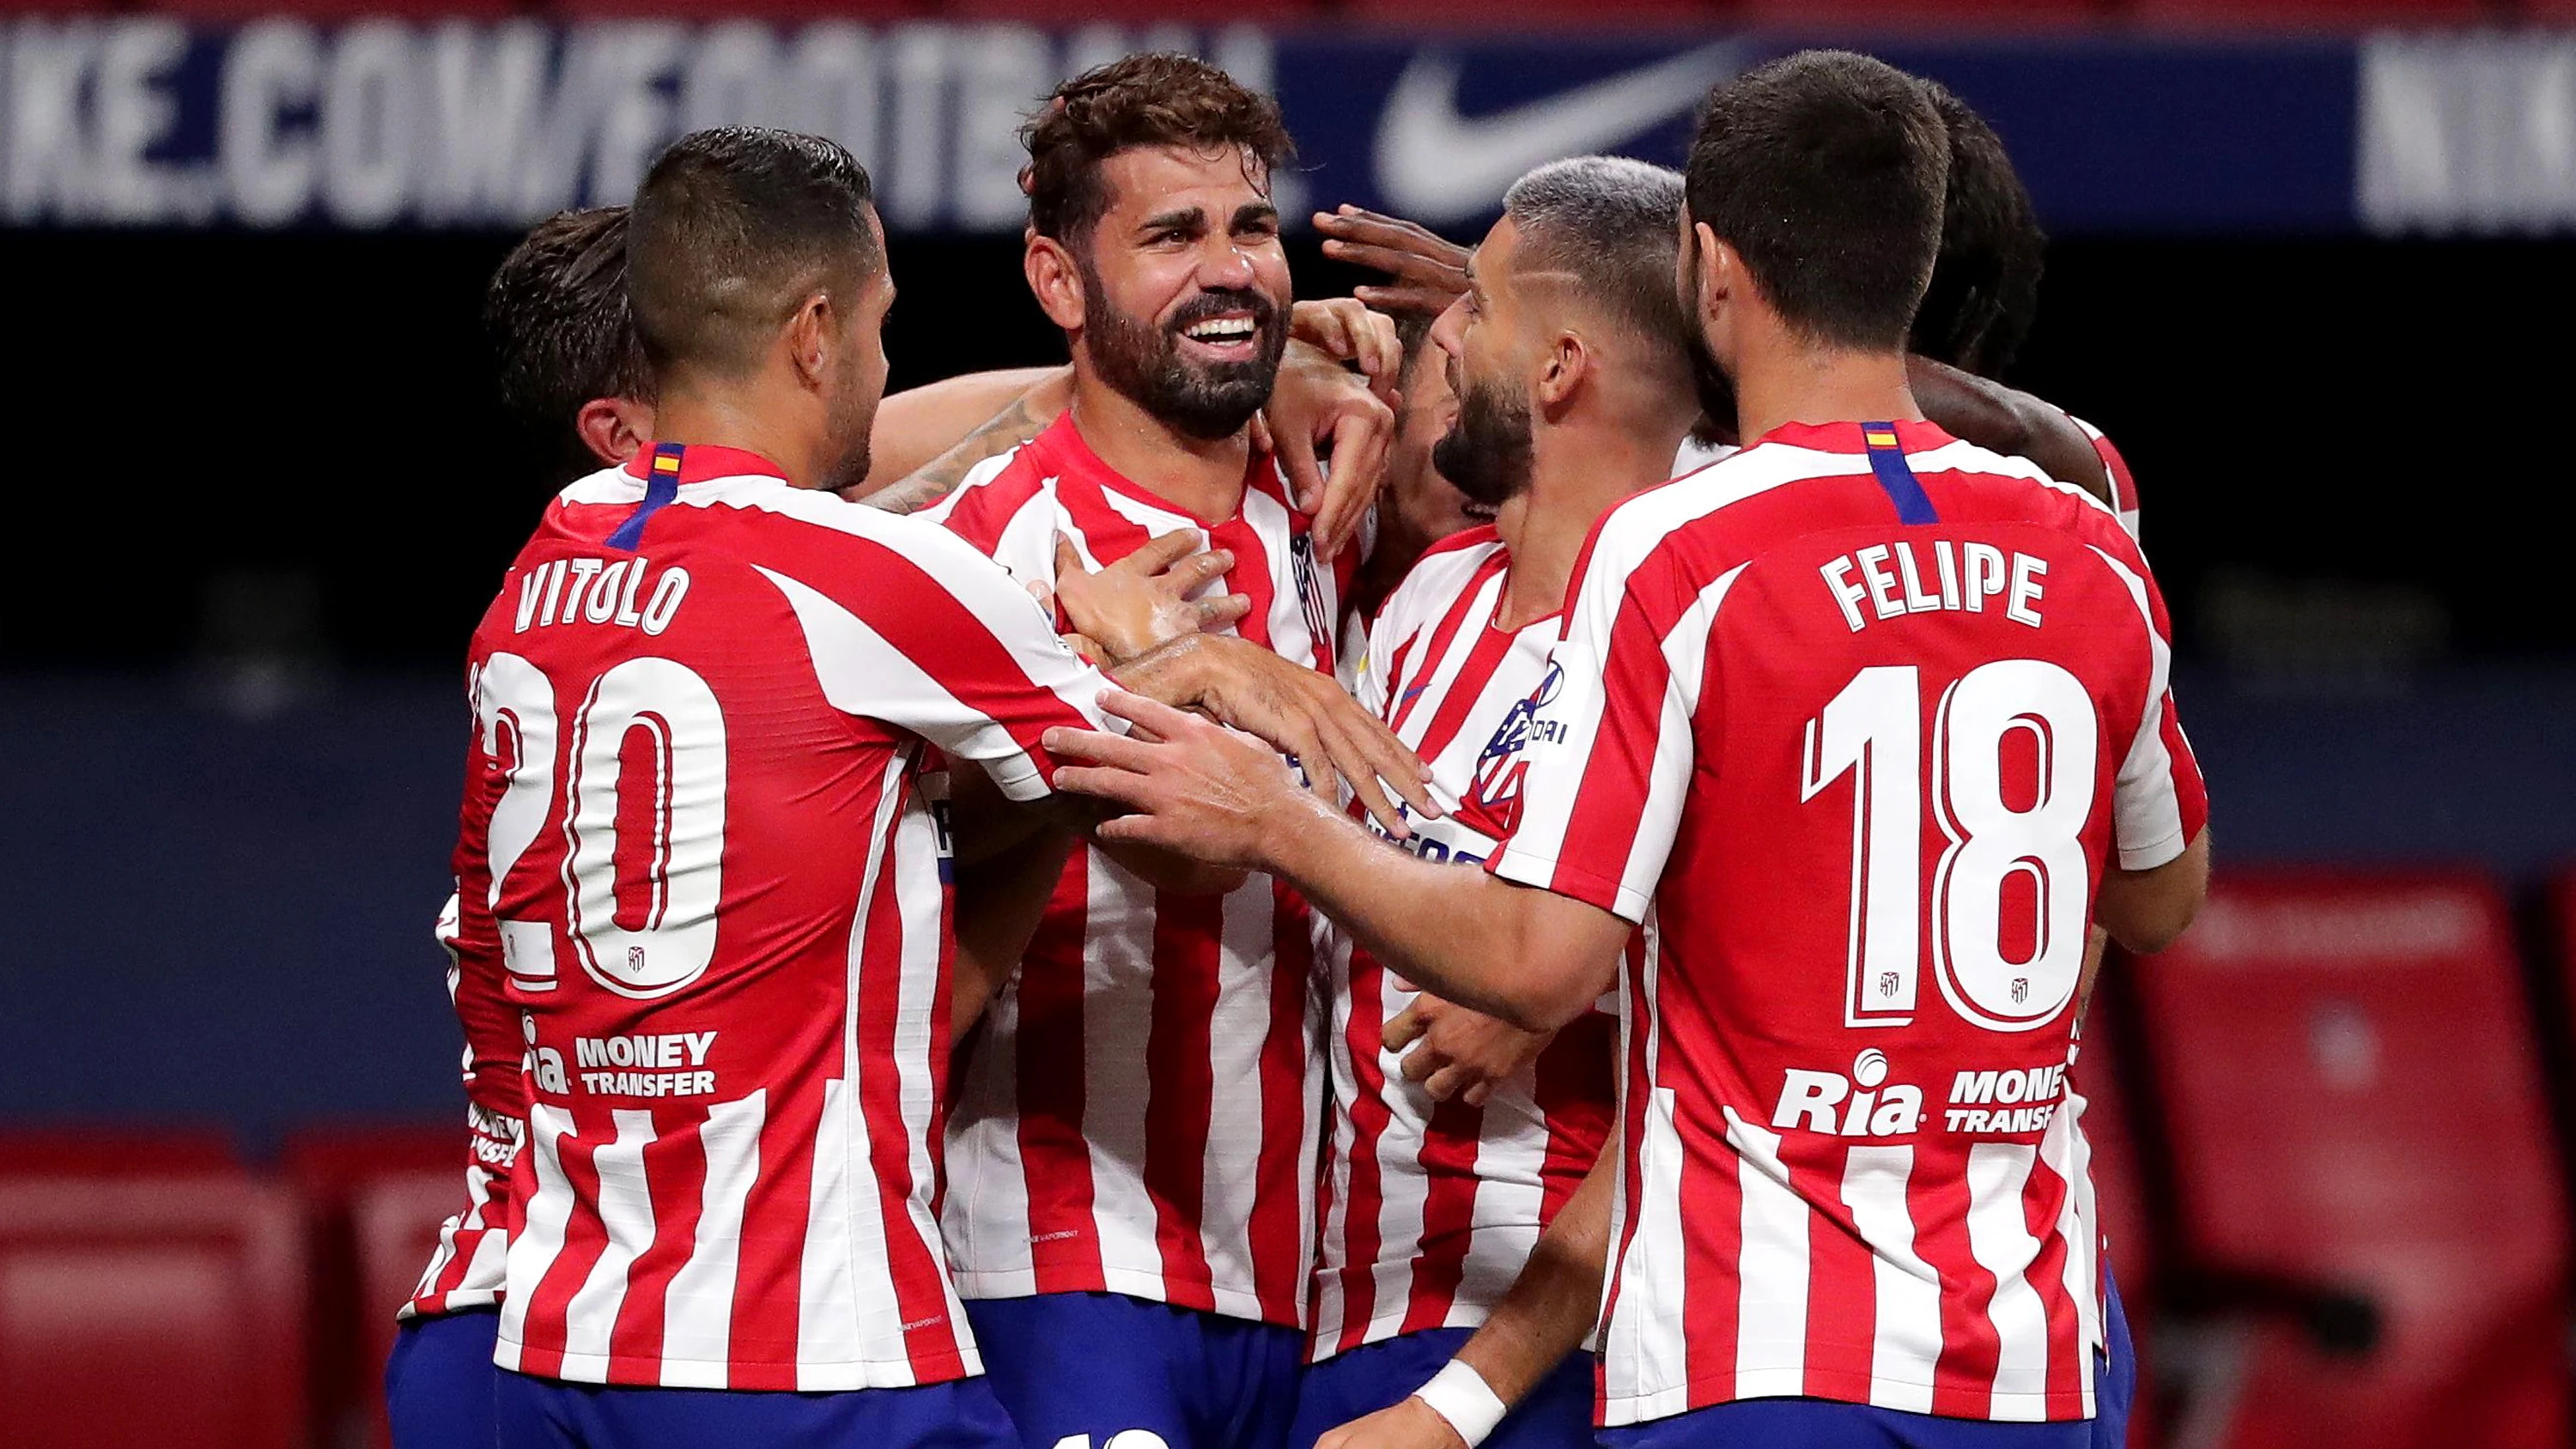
(1433, 583)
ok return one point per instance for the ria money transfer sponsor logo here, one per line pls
(1864, 1103)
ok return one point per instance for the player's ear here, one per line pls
(614, 428)
(1055, 280)
(810, 338)
(1562, 369)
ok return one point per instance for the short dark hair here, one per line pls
(1155, 99)
(560, 323)
(1985, 285)
(1612, 223)
(1825, 170)
(732, 228)
(561, 330)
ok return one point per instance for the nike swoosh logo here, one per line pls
(1436, 165)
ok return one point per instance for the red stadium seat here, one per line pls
(151, 1311)
(376, 1196)
(2350, 1086)
(108, 1151)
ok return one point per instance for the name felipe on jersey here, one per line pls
(1968, 574)
(600, 591)
(1808, 1100)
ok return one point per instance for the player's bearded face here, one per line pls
(1487, 450)
(1145, 359)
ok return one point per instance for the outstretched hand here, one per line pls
(1192, 786)
(1430, 271)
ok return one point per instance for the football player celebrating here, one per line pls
(1574, 389)
(1133, 1154)
(698, 850)
(1813, 744)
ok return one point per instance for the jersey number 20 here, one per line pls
(670, 793)
(1873, 730)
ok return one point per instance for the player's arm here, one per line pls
(1550, 1309)
(2159, 801)
(1531, 957)
(1001, 894)
(979, 416)
(2148, 910)
(2007, 420)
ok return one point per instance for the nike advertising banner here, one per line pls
(143, 120)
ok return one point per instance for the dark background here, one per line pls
(2354, 454)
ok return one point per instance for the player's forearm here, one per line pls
(1453, 930)
(2148, 910)
(1556, 1300)
(999, 901)
(1025, 418)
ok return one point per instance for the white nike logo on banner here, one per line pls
(1436, 165)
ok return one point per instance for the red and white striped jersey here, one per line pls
(466, 1267)
(1431, 1208)
(1852, 724)
(699, 844)
(2124, 488)
(1138, 1111)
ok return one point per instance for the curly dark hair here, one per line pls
(1156, 99)
(1985, 286)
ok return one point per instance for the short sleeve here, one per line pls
(2160, 803)
(952, 648)
(1611, 750)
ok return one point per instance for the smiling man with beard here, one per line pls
(1132, 1159)
(1567, 357)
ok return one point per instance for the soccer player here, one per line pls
(700, 847)
(1858, 706)
(556, 311)
(1574, 391)
(1132, 1159)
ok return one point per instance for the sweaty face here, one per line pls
(1185, 287)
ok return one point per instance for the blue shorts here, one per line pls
(538, 1413)
(1556, 1415)
(438, 1380)
(2115, 1388)
(1098, 1365)
(1824, 1424)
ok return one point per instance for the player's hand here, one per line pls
(1305, 714)
(1318, 401)
(1408, 1425)
(1346, 329)
(1457, 1052)
(1146, 598)
(1430, 271)
(1195, 788)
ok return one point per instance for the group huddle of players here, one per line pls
(1447, 936)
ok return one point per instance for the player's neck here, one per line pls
(1577, 473)
(1200, 476)
(725, 420)
(1782, 379)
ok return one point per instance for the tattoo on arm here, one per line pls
(940, 476)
